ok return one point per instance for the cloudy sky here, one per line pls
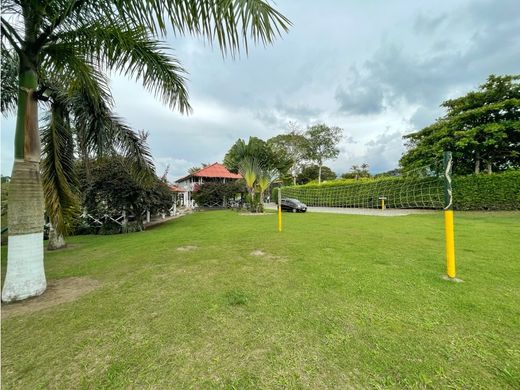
(377, 69)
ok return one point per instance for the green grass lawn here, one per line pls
(337, 301)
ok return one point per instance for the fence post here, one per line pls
(448, 216)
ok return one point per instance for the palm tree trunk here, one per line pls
(56, 239)
(319, 174)
(25, 276)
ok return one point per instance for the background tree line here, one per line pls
(481, 128)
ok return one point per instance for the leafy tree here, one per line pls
(291, 148)
(321, 144)
(481, 127)
(312, 172)
(256, 149)
(357, 171)
(214, 193)
(114, 188)
(73, 40)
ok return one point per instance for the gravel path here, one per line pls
(358, 211)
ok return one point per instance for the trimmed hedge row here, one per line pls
(499, 191)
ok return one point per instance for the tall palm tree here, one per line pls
(71, 39)
(76, 120)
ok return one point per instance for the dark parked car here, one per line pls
(293, 205)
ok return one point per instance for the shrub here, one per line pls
(212, 194)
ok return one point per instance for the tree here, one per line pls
(79, 121)
(210, 194)
(290, 147)
(357, 171)
(312, 172)
(72, 40)
(265, 178)
(480, 127)
(321, 144)
(76, 125)
(249, 170)
(114, 189)
(257, 149)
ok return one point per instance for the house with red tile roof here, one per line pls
(211, 173)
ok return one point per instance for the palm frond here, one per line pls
(59, 181)
(131, 51)
(132, 145)
(9, 80)
(229, 23)
(248, 169)
(265, 178)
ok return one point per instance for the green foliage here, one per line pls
(9, 80)
(260, 151)
(113, 188)
(357, 171)
(211, 194)
(311, 173)
(481, 128)
(499, 191)
(58, 173)
(290, 147)
(322, 143)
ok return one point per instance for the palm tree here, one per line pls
(71, 40)
(97, 131)
(265, 178)
(248, 169)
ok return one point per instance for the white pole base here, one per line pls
(455, 280)
(25, 276)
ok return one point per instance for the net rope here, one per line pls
(421, 188)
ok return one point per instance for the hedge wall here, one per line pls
(499, 191)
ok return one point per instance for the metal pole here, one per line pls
(448, 216)
(279, 209)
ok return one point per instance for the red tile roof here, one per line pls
(214, 170)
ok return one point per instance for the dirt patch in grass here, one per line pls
(255, 214)
(264, 255)
(187, 248)
(58, 292)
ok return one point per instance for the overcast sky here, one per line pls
(377, 69)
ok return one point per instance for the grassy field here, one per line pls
(335, 301)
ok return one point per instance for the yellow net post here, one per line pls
(279, 209)
(448, 217)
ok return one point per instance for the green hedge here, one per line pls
(499, 191)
